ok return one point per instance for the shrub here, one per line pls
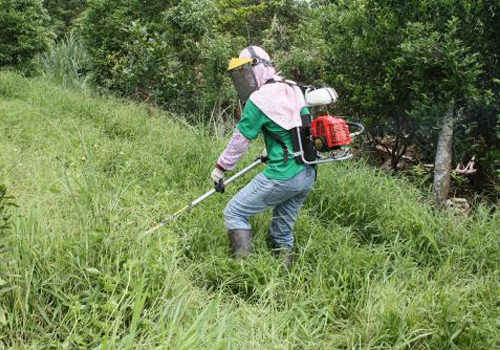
(63, 12)
(24, 31)
(176, 54)
(166, 56)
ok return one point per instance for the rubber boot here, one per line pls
(286, 255)
(241, 243)
(288, 259)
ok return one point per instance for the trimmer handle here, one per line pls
(263, 159)
(219, 187)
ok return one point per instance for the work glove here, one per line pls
(263, 155)
(218, 177)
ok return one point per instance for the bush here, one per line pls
(164, 56)
(175, 54)
(63, 12)
(24, 31)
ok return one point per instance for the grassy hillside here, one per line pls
(376, 268)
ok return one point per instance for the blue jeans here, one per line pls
(286, 196)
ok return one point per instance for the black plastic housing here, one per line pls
(304, 132)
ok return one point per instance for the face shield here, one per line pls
(242, 73)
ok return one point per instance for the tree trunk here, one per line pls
(442, 162)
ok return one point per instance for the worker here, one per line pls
(272, 106)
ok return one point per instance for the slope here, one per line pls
(376, 266)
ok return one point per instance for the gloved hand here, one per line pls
(263, 156)
(217, 175)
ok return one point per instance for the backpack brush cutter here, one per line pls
(319, 140)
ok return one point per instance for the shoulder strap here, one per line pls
(252, 51)
(287, 82)
(259, 59)
(279, 140)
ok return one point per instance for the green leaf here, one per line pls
(93, 271)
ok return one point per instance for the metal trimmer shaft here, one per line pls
(205, 196)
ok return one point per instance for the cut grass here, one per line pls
(376, 267)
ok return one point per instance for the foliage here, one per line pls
(171, 67)
(5, 204)
(395, 64)
(479, 129)
(177, 58)
(24, 31)
(63, 13)
(103, 34)
(399, 74)
(375, 268)
(250, 19)
(151, 55)
(65, 62)
(437, 68)
(303, 59)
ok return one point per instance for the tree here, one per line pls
(63, 12)
(398, 65)
(24, 31)
(442, 74)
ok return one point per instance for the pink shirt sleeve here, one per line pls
(236, 146)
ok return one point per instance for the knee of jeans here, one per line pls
(227, 211)
(229, 214)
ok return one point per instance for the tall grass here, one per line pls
(65, 62)
(376, 267)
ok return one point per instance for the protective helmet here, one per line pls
(243, 69)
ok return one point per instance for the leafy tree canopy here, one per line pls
(24, 31)
(63, 12)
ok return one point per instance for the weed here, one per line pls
(376, 267)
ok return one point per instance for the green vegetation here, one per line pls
(376, 266)
(24, 31)
(399, 67)
(64, 63)
(63, 13)
(6, 205)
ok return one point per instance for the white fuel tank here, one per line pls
(321, 96)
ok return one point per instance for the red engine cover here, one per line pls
(332, 131)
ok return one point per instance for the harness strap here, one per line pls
(252, 51)
(259, 59)
(287, 82)
(279, 140)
